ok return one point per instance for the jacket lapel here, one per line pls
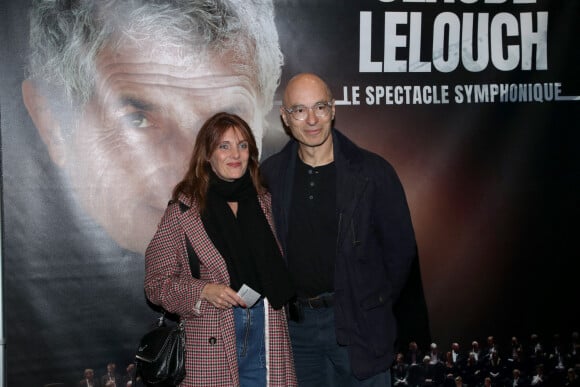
(350, 186)
(208, 254)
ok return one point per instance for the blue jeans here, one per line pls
(250, 346)
(319, 359)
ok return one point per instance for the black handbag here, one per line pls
(160, 357)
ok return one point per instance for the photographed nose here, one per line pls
(312, 118)
(235, 152)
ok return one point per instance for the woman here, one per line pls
(219, 223)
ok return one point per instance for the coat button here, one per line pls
(212, 340)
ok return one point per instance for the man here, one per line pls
(343, 222)
(117, 91)
(515, 379)
(88, 379)
(414, 354)
(128, 377)
(400, 371)
(434, 354)
(457, 356)
(477, 352)
(111, 378)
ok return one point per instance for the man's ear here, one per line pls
(333, 109)
(47, 125)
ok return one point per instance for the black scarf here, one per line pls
(246, 241)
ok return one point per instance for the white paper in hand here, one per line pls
(249, 295)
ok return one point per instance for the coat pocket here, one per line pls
(378, 322)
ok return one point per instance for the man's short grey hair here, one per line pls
(67, 35)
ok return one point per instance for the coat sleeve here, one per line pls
(168, 279)
(395, 228)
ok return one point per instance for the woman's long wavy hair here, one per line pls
(195, 183)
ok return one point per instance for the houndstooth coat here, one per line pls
(210, 335)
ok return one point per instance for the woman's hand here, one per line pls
(221, 296)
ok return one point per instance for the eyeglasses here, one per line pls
(300, 112)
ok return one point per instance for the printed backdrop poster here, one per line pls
(475, 103)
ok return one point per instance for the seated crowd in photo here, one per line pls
(110, 377)
(553, 362)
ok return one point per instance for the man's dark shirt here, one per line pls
(313, 229)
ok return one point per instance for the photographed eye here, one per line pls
(299, 109)
(137, 120)
(320, 107)
(224, 146)
(244, 145)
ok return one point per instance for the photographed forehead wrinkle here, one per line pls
(147, 47)
(123, 73)
(225, 92)
(178, 67)
(211, 73)
(202, 85)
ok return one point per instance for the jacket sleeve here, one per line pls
(168, 279)
(395, 228)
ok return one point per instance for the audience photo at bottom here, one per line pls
(553, 362)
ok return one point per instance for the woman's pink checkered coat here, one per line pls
(210, 335)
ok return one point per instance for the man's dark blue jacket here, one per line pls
(375, 247)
